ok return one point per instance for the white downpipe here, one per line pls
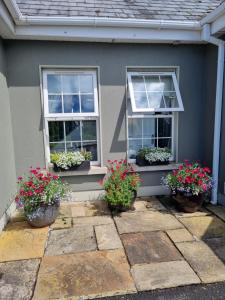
(218, 107)
(218, 118)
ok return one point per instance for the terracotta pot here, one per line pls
(44, 215)
(122, 208)
(188, 204)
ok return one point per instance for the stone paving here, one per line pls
(89, 253)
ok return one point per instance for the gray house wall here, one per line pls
(7, 163)
(25, 57)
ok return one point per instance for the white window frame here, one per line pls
(151, 116)
(69, 72)
(70, 116)
(152, 110)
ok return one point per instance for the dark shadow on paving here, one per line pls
(193, 292)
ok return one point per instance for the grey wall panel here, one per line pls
(24, 58)
(7, 163)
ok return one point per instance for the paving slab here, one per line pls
(65, 211)
(163, 275)
(90, 209)
(147, 205)
(180, 235)
(218, 247)
(71, 240)
(203, 260)
(219, 211)
(62, 223)
(20, 241)
(149, 247)
(93, 221)
(17, 279)
(146, 221)
(205, 227)
(107, 237)
(84, 275)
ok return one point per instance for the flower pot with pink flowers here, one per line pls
(120, 184)
(189, 185)
(39, 194)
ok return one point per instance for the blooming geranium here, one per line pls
(120, 183)
(39, 188)
(190, 178)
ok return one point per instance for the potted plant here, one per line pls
(71, 161)
(153, 156)
(120, 184)
(39, 194)
(189, 185)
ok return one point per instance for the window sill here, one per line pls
(94, 170)
(169, 167)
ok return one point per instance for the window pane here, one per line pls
(153, 84)
(168, 83)
(57, 147)
(164, 143)
(149, 127)
(54, 104)
(165, 127)
(171, 100)
(149, 143)
(89, 130)
(70, 84)
(92, 147)
(56, 133)
(72, 130)
(73, 146)
(156, 100)
(87, 103)
(134, 146)
(141, 100)
(54, 83)
(138, 83)
(71, 103)
(86, 84)
(135, 128)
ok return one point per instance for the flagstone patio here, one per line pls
(89, 253)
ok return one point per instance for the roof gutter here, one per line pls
(218, 107)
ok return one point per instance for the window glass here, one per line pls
(71, 103)
(54, 84)
(55, 103)
(154, 92)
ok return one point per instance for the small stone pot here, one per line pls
(122, 208)
(188, 203)
(44, 215)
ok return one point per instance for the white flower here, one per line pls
(69, 159)
(158, 154)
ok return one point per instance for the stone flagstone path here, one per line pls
(89, 253)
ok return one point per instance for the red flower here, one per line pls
(20, 178)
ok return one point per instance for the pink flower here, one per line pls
(20, 178)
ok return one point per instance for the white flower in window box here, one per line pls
(153, 156)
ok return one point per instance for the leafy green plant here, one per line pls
(142, 152)
(87, 155)
(39, 188)
(120, 183)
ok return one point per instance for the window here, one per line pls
(71, 111)
(154, 92)
(154, 99)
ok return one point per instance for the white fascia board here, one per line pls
(218, 25)
(6, 22)
(107, 34)
(13, 9)
(214, 15)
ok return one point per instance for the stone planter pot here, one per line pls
(84, 166)
(188, 203)
(44, 215)
(121, 208)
